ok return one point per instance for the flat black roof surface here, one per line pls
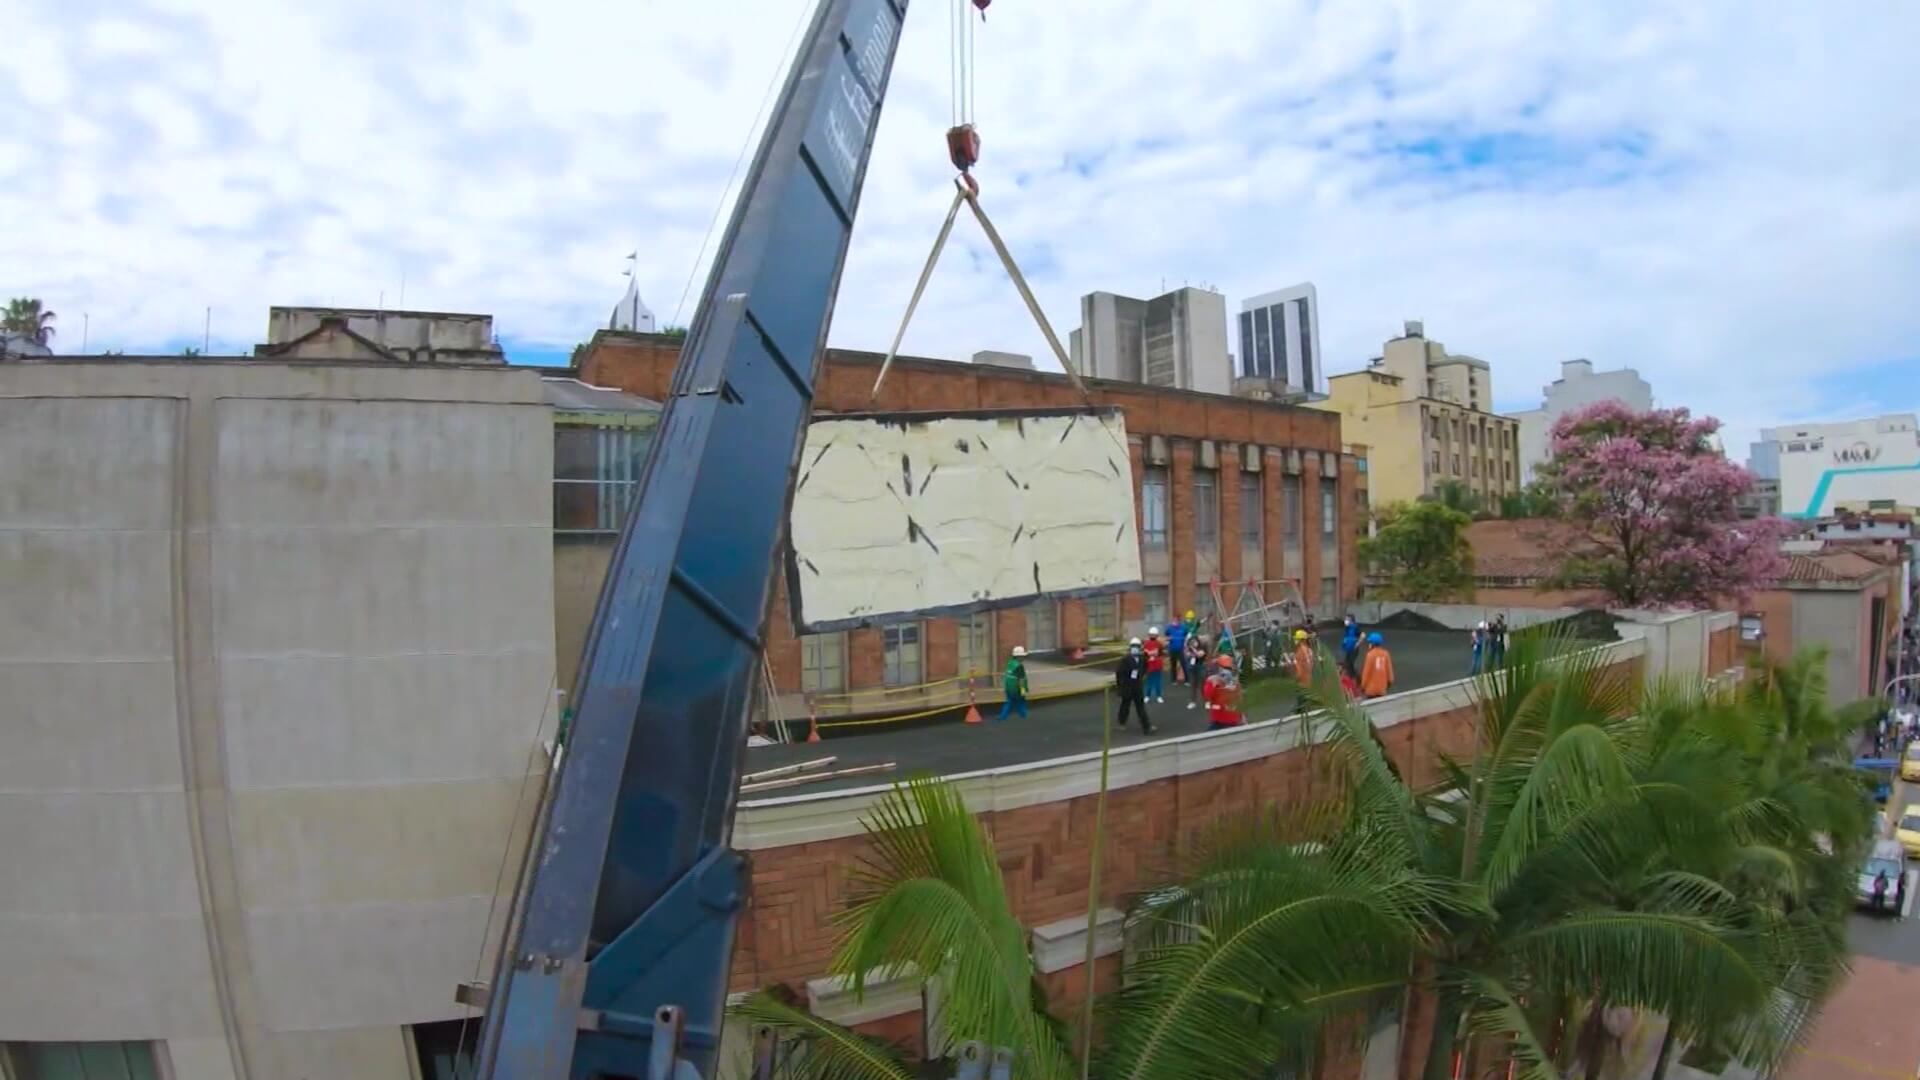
(1059, 727)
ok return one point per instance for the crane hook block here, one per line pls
(982, 5)
(963, 146)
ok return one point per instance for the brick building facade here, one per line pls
(1284, 498)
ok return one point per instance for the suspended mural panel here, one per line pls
(919, 513)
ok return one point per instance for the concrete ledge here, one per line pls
(888, 993)
(1063, 944)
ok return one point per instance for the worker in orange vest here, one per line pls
(1222, 693)
(1376, 671)
(1303, 657)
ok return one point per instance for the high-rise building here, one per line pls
(1870, 464)
(1280, 345)
(1578, 386)
(1424, 415)
(1177, 339)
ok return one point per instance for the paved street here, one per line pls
(1866, 1032)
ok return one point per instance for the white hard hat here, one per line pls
(1483, 624)
(1135, 641)
(1019, 650)
(1153, 631)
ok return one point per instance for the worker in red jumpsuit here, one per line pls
(1156, 653)
(1222, 694)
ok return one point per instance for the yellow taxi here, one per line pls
(1910, 762)
(1908, 830)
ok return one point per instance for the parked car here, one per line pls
(1907, 830)
(1888, 858)
(1910, 762)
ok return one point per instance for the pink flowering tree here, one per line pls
(1659, 503)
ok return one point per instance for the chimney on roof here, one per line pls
(1415, 328)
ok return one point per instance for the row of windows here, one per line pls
(444, 1050)
(823, 657)
(1473, 469)
(1156, 516)
(1439, 431)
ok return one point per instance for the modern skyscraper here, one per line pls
(1578, 386)
(1280, 344)
(1177, 339)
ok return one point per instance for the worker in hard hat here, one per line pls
(1129, 681)
(1376, 671)
(1014, 684)
(1479, 642)
(1155, 651)
(1189, 626)
(1303, 657)
(1223, 695)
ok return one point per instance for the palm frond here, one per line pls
(1686, 966)
(815, 1049)
(1495, 1012)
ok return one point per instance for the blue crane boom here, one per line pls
(617, 962)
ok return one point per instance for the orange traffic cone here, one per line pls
(813, 723)
(973, 707)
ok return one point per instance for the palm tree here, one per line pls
(1285, 923)
(1574, 865)
(25, 316)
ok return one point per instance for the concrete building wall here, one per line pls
(1577, 387)
(1821, 466)
(265, 736)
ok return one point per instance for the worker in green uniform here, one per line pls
(1015, 684)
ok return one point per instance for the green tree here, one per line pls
(1456, 495)
(1586, 861)
(1284, 924)
(1421, 550)
(1536, 500)
(25, 315)
(190, 351)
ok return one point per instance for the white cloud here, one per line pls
(1730, 203)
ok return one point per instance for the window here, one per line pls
(1043, 626)
(1473, 436)
(1251, 509)
(975, 651)
(1103, 618)
(1153, 510)
(900, 650)
(1329, 508)
(1753, 627)
(595, 471)
(1436, 461)
(1456, 464)
(1290, 507)
(1433, 426)
(1474, 464)
(1506, 438)
(1306, 343)
(1263, 346)
(1249, 365)
(1156, 605)
(446, 1049)
(1509, 470)
(1330, 593)
(823, 663)
(82, 1061)
(1206, 509)
(1456, 430)
(1796, 446)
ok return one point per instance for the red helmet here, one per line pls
(1224, 660)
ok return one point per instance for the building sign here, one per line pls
(1859, 453)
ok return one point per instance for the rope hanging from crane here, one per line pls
(963, 148)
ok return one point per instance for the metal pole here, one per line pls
(1093, 879)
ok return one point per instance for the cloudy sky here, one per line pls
(1724, 195)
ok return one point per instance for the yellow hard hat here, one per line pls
(1189, 613)
(1299, 635)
